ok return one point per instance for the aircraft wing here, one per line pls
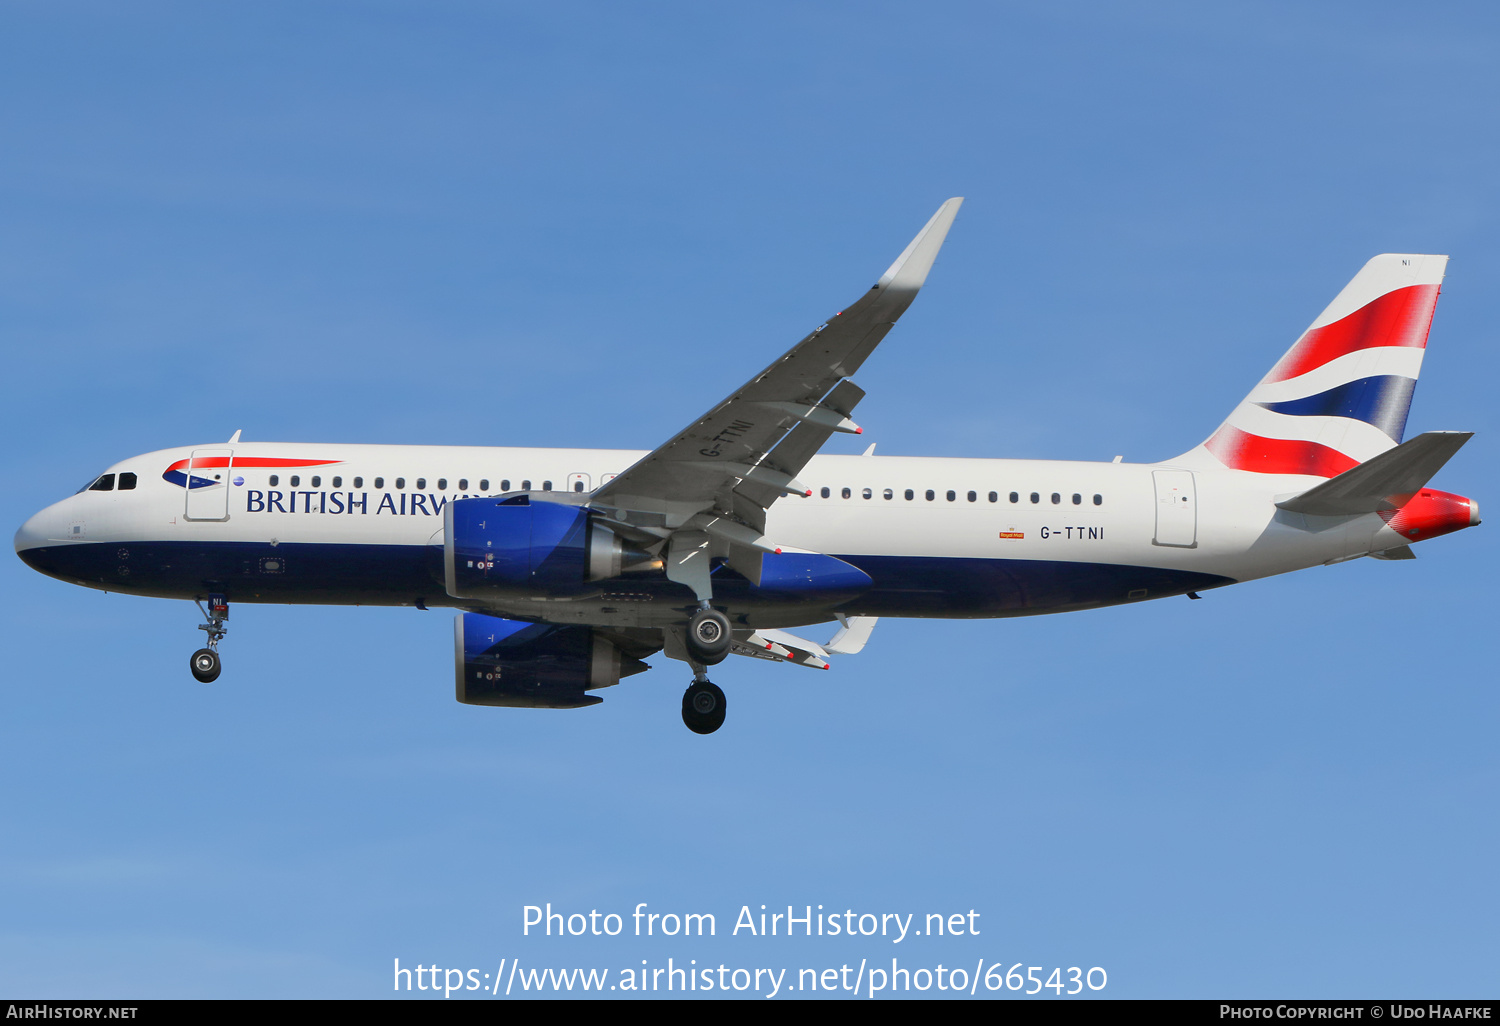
(720, 473)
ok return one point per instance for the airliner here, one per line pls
(569, 567)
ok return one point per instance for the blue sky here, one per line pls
(576, 225)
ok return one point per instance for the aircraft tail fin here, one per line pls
(1341, 394)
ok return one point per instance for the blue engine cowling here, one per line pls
(522, 547)
(533, 665)
(494, 547)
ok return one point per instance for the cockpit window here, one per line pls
(104, 484)
(127, 481)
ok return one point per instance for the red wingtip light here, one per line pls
(778, 552)
(859, 431)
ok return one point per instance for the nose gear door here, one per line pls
(208, 484)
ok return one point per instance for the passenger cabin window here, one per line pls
(867, 493)
(525, 486)
(578, 486)
(952, 495)
(845, 493)
(546, 486)
(359, 482)
(1098, 500)
(887, 493)
(931, 495)
(973, 496)
(127, 481)
(296, 480)
(1077, 499)
(338, 482)
(380, 482)
(104, 484)
(910, 495)
(400, 482)
(1015, 496)
(1056, 498)
(274, 480)
(1035, 497)
(317, 481)
(484, 485)
(825, 493)
(421, 483)
(994, 496)
(442, 484)
(504, 484)
(463, 484)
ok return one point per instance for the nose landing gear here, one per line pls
(205, 662)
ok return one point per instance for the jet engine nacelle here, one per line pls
(518, 546)
(533, 665)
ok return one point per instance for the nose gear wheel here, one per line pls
(206, 665)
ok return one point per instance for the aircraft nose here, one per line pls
(42, 544)
(38, 539)
(32, 534)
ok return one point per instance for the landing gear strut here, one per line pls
(703, 706)
(205, 662)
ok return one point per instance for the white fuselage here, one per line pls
(284, 508)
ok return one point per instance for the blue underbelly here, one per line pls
(345, 574)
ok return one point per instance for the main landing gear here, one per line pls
(703, 706)
(707, 640)
(205, 662)
(708, 636)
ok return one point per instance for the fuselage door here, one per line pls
(1176, 508)
(208, 484)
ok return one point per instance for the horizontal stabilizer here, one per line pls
(1383, 482)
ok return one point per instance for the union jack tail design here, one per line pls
(1341, 394)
